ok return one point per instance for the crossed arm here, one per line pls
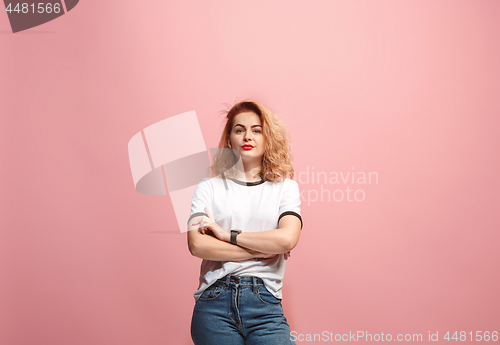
(251, 245)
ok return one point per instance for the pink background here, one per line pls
(407, 89)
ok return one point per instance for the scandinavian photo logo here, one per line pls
(313, 183)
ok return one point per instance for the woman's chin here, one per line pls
(250, 158)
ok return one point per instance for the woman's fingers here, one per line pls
(205, 220)
(204, 224)
(207, 211)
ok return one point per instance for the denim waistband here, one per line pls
(255, 281)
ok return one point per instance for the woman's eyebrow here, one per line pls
(244, 126)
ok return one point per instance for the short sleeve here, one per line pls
(202, 197)
(290, 200)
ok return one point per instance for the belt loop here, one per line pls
(228, 277)
(254, 287)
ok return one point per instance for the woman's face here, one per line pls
(247, 137)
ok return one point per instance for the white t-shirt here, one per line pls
(246, 206)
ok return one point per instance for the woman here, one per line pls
(243, 224)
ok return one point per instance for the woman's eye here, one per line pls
(256, 131)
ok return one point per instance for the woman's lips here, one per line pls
(249, 147)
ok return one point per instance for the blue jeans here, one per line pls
(239, 311)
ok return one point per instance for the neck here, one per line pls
(249, 173)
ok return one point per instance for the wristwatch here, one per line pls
(234, 233)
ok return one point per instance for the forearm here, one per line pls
(276, 241)
(211, 248)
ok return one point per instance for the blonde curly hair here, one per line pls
(276, 161)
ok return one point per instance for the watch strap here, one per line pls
(234, 233)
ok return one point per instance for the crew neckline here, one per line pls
(243, 183)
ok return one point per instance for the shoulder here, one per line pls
(290, 184)
(286, 186)
(204, 185)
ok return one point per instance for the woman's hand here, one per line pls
(208, 223)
